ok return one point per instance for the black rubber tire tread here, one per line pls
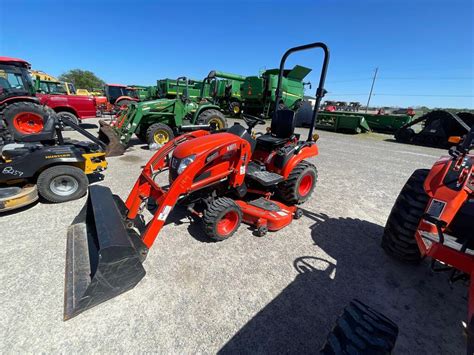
(150, 132)
(288, 189)
(13, 109)
(213, 214)
(231, 108)
(361, 330)
(399, 234)
(404, 135)
(205, 116)
(69, 116)
(44, 180)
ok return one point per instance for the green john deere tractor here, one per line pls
(258, 92)
(159, 121)
(225, 91)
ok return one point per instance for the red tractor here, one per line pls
(117, 97)
(20, 111)
(223, 179)
(434, 217)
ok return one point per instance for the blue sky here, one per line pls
(423, 48)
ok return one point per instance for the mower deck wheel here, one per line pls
(361, 330)
(399, 234)
(262, 231)
(222, 218)
(159, 133)
(62, 183)
(299, 185)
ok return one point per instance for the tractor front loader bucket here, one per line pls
(111, 139)
(103, 257)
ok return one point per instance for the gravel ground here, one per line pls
(246, 294)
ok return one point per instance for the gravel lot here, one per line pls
(245, 294)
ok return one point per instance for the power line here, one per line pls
(404, 95)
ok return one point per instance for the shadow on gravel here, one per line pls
(300, 317)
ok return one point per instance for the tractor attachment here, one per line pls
(438, 127)
(103, 257)
(114, 146)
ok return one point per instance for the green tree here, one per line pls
(82, 79)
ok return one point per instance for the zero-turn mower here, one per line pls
(46, 165)
(433, 217)
(223, 179)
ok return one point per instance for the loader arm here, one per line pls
(185, 183)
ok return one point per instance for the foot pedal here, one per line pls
(262, 176)
(265, 204)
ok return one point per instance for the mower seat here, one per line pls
(281, 130)
(15, 150)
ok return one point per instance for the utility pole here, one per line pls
(371, 89)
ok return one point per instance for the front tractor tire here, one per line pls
(399, 234)
(25, 118)
(62, 183)
(221, 219)
(235, 108)
(361, 330)
(299, 185)
(159, 133)
(212, 117)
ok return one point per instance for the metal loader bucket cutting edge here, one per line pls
(109, 137)
(103, 259)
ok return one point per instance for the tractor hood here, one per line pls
(203, 144)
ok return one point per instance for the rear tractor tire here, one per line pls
(26, 118)
(299, 185)
(361, 330)
(62, 183)
(212, 117)
(221, 219)
(159, 133)
(399, 234)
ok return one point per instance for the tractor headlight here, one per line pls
(185, 162)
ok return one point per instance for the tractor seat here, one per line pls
(281, 130)
(15, 150)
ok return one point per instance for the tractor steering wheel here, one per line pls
(252, 121)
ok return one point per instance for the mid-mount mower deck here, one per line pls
(223, 178)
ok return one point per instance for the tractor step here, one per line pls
(262, 176)
(449, 241)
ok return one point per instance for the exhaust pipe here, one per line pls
(109, 137)
(103, 257)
